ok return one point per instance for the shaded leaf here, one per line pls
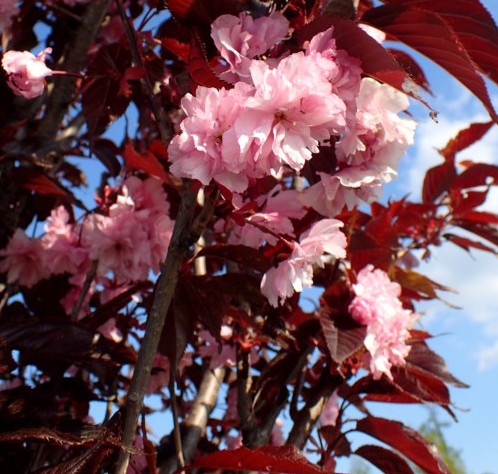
(405, 440)
(422, 357)
(417, 282)
(145, 161)
(282, 459)
(412, 68)
(199, 70)
(37, 181)
(384, 459)
(343, 336)
(246, 256)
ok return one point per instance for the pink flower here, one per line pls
(292, 111)
(239, 39)
(7, 10)
(377, 136)
(24, 262)
(61, 243)
(342, 70)
(110, 331)
(26, 72)
(296, 272)
(278, 208)
(348, 187)
(201, 150)
(330, 411)
(377, 306)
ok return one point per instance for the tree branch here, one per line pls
(74, 60)
(165, 288)
(308, 416)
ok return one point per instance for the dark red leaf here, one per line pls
(201, 12)
(438, 180)
(471, 23)
(176, 47)
(144, 162)
(107, 151)
(375, 60)
(465, 138)
(480, 217)
(384, 459)
(477, 174)
(417, 282)
(246, 256)
(429, 34)
(36, 181)
(405, 440)
(423, 358)
(343, 336)
(133, 73)
(466, 243)
(199, 70)
(484, 230)
(466, 201)
(282, 459)
(412, 68)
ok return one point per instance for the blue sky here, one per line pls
(468, 337)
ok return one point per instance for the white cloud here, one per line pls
(474, 276)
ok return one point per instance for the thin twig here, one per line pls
(84, 290)
(176, 424)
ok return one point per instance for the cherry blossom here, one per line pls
(240, 39)
(292, 111)
(26, 72)
(330, 411)
(24, 262)
(201, 151)
(297, 271)
(278, 207)
(377, 306)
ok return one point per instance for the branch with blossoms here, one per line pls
(289, 119)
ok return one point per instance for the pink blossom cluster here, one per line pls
(296, 272)
(8, 10)
(126, 244)
(26, 72)
(273, 218)
(282, 109)
(377, 306)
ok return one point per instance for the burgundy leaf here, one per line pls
(199, 70)
(384, 459)
(405, 440)
(429, 34)
(465, 202)
(438, 180)
(201, 12)
(246, 256)
(465, 138)
(144, 162)
(412, 68)
(343, 336)
(472, 24)
(477, 174)
(37, 181)
(484, 230)
(176, 47)
(282, 459)
(466, 243)
(417, 282)
(423, 358)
